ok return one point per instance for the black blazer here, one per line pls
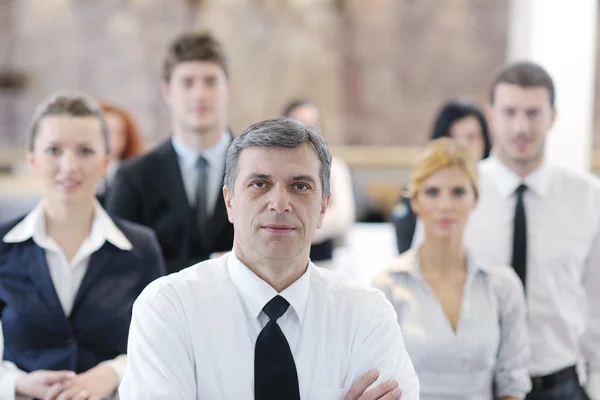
(405, 223)
(38, 335)
(149, 190)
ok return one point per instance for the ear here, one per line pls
(228, 196)
(414, 205)
(31, 160)
(553, 116)
(324, 204)
(164, 89)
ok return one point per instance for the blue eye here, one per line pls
(53, 150)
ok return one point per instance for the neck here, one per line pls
(521, 168)
(73, 218)
(279, 274)
(442, 255)
(200, 140)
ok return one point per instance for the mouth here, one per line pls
(445, 222)
(68, 184)
(278, 228)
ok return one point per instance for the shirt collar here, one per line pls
(507, 181)
(214, 155)
(409, 263)
(33, 226)
(256, 293)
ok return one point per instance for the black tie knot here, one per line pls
(276, 307)
(521, 189)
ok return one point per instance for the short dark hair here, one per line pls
(295, 103)
(193, 46)
(455, 110)
(281, 132)
(527, 75)
(71, 104)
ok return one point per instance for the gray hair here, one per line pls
(280, 132)
(73, 104)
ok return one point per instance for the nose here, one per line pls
(69, 162)
(279, 200)
(445, 202)
(521, 123)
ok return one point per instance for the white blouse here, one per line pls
(490, 345)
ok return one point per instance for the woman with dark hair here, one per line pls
(462, 121)
(125, 142)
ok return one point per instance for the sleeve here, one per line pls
(405, 222)
(379, 345)
(9, 373)
(591, 339)
(512, 364)
(123, 200)
(160, 362)
(340, 214)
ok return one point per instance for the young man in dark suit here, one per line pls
(177, 188)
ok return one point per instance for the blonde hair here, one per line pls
(442, 153)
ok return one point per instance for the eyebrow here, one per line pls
(306, 178)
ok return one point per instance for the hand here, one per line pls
(385, 391)
(37, 383)
(97, 383)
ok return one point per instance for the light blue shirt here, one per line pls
(215, 156)
(489, 345)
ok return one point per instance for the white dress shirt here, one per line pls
(563, 258)
(489, 345)
(66, 276)
(193, 335)
(188, 165)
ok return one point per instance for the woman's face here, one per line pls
(444, 202)
(467, 131)
(118, 136)
(69, 157)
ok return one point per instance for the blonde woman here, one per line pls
(464, 323)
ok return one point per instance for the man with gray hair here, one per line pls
(262, 321)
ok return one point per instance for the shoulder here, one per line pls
(349, 296)
(190, 284)
(147, 161)
(5, 228)
(139, 235)
(506, 282)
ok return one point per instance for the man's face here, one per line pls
(198, 95)
(520, 118)
(277, 203)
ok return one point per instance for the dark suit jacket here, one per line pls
(38, 335)
(405, 223)
(149, 190)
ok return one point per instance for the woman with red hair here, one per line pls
(125, 142)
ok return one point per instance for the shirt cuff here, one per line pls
(592, 386)
(8, 380)
(118, 365)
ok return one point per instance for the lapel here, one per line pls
(171, 184)
(99, 262)
(35, 258)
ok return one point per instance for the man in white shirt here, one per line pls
(262, 321)
(543, 220)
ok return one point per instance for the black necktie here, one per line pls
(519, 254)
(201, 191)
(275, 375)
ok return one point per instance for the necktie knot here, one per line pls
(276, 307)
(521, 189)
(201, 163)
